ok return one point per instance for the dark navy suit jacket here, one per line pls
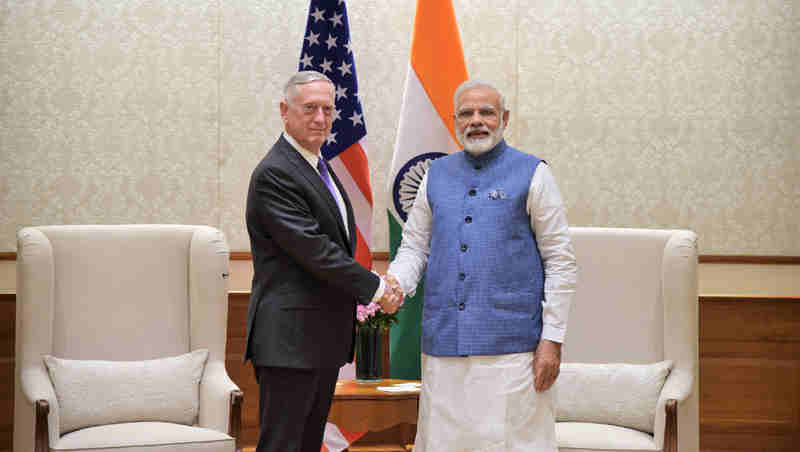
(306, 282)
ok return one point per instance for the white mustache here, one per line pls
(477, 129)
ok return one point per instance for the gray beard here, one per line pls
(480, 147)
(483, 146)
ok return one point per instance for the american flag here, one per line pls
(327, 49)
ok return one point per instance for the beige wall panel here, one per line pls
(668, 115)
(490, 49)
(749, 279)
(8, 276)
(651, 113)
(108, 113)
(241, 278)
(260, 47)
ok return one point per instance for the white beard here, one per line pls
(478, 146)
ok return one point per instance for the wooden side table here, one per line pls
(358, 407)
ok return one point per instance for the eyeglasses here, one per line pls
(311, 109)
(485, 113)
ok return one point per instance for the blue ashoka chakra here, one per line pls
(406, 183)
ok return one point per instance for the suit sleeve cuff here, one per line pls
(379, 291)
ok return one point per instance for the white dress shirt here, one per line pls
(549, 223)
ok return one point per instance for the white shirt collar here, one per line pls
(307, 155)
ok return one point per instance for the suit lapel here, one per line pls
(314, 180)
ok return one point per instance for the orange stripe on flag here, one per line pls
(336, 439)
(363, 253)
(355, 160)
(351, 437)
(436, 55)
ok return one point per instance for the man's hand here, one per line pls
(393, 296)
(546, 364)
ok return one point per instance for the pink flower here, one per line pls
(372, 316)
(361, 313)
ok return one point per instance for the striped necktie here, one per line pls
(323, 173)
(326, 177)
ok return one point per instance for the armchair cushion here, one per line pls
(145, 437)
(108, 392)
(587, 437)
(625, 395)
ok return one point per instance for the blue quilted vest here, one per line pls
(484, 282)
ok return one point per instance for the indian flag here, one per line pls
(425, 132)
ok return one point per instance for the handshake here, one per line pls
(393, 296)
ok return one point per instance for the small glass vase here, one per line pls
(369, 354)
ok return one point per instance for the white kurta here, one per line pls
(489, 403)
(482, 404)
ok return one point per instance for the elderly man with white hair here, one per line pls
(491, 227)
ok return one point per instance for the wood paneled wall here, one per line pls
(241, 373)
(749, 372)
(8, 317)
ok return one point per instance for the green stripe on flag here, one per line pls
(404, 339)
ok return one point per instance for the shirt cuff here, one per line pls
(381, 288)
(552, 333)
(404, 285)
(555, 312)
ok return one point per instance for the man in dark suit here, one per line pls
(301, 319)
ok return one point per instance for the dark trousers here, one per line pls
(293, 407)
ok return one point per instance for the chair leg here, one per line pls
(671, 426)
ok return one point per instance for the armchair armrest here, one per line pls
(217, 398)
(671, 426)
(237, 400)
(37, 390)
(677, 388)
(41, 438)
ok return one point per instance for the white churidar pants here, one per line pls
(483, 404)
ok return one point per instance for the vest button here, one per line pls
(462, 276)
(461, 306)
(464, 247)
(472, 192)
(468, 220)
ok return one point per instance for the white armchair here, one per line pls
(636, 307)
(124, 304)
